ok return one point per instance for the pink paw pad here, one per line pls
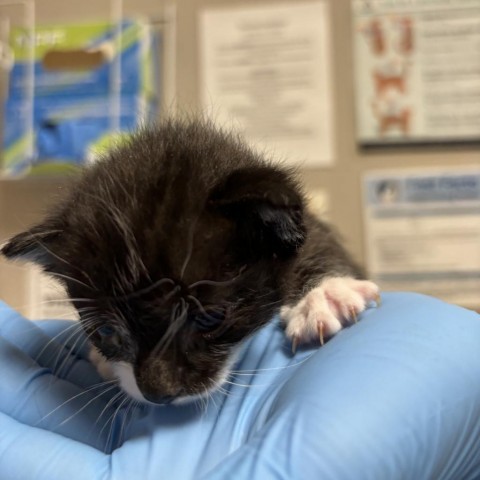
(326, 309)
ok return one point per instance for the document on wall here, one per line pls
(423, 232)
(266, 71)
(417, 71)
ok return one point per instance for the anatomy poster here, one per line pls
(417, 71)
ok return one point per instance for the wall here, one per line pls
(23, 202)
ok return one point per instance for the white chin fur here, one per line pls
(124, 373)
(221, 379)
(121, 371)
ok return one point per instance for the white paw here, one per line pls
(104, 367)
(326, 309)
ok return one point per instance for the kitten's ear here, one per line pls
(267, 208)
(33, 245)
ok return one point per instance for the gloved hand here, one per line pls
(396, 396)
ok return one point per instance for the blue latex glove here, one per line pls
(396, 396)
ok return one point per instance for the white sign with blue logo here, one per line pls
(422, 232)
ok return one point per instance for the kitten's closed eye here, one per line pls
(109, 340)
(209, 319)
(106, 331)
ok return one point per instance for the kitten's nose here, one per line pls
(158, 399)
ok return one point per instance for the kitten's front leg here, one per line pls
(326, 309)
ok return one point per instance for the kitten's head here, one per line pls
(173, 249)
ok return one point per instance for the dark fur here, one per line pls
(183, 218)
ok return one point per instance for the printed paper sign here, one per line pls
(423, 232)
(266, 72)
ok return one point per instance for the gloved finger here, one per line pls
(60, 329)
(396, 396)
(32, 395)
(59, 353)
(27, 452)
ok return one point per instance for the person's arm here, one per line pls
(395, 396)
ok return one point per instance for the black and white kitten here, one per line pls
(179, 245)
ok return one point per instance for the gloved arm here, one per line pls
(395, 396)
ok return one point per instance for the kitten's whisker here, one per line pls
(191, 233)
(266, 370)
(199, 405)
(73, 351)
(47, 302)
(172, 331)
(147, 289)
(87, 310)
(76, 325)
(270, 292)
(111, 387)
(169, 295)
(120, 395)
(163, 341)
(117, 411)
(211, 396)
(75, 280)
(117, 311)
(220, 389)
(124, 229)
(262, 371)
(70, 353)
(244, 385)
(176, 323)
(64, 347)
(276, 302)
(125, 420)
(91, 287)
(88, 320)
(224, 326)
(204, 400)
(110, 402)
(134, 404)
(216, 283)
(83, 392)
(201, 307)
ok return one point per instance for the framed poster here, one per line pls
(422, 232)
(417, 71)
(266, 71)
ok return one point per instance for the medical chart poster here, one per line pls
(417, 71)
(266, 71)
(422, 232)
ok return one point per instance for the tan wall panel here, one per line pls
(22, 203)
